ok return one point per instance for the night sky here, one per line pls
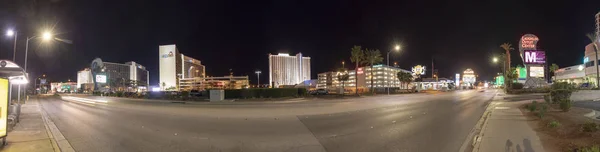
(238, 35)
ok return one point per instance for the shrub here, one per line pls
(595, 148)
(565, 105)
(119, 93)
(542, 111)
(562, 86)
(185, 95)
(589, 127)
(533, 106)
(553, 124)
(517, 86)
(560, 95)
(547, 99)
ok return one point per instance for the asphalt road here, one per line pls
(412, 122)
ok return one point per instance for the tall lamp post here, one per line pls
(257, 77)
(495, 60)
(396, 48)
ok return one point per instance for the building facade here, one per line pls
(573, 74)
(174, 67)
(130, 77)
(203, 83)
(288, 70)
(383, 77)
(84, 80)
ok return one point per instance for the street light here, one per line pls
(495, 59)
(47, 36)
(11, 33)
(397, 49)
(258, 77)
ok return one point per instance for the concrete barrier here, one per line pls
(585, 95)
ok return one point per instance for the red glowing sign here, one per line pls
(529, 41)
(360, 71)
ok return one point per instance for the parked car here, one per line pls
(319, 92)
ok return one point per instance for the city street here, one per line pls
(438, 121)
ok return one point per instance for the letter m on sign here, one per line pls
(530, 57)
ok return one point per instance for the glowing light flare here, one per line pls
(47, 36)
(85, 100)
(10, 33)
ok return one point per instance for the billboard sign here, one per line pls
(3, 106)
(418, 70)
(457, 80)
(536, 71)
(534, 57)
(522, 72)
(101, 78)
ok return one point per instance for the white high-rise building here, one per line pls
(175, 67)
(84, 77)
(288, 70)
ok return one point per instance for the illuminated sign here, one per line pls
(457, 80)
(586, 59)
(535, 57)
(418, 70)
(500, 80)
(522, 72)
(468, 71)
(101, 78)
(379, 65)
(3, 106)
(529, 41)
(360, 71)
(170, 54)
(536, 71)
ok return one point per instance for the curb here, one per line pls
(475, 139)
(59, 142)
(594, 115)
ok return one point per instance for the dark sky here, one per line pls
(238, 35)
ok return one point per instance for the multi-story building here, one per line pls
(288, 70)
(225, 82)
(84, 78)
(129, 76)
(383, 77)
(174, 66)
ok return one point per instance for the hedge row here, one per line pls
(264, 93)
(534, 90)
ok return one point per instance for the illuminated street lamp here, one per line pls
(258, 77)
(397, 49)
(495, 59)
(11, 33)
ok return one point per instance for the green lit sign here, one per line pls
(500, 80)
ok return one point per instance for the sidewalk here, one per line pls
(507, 130)
(30, 133)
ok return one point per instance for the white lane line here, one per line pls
(83, 99)
(57, 136)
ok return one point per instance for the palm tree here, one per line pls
(372, 57)
(507, 47)
(358, 56)
(404, 78)
(594, 38)
(343, 77)
(163, 86)
(553, 68)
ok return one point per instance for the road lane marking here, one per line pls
(56, 135)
